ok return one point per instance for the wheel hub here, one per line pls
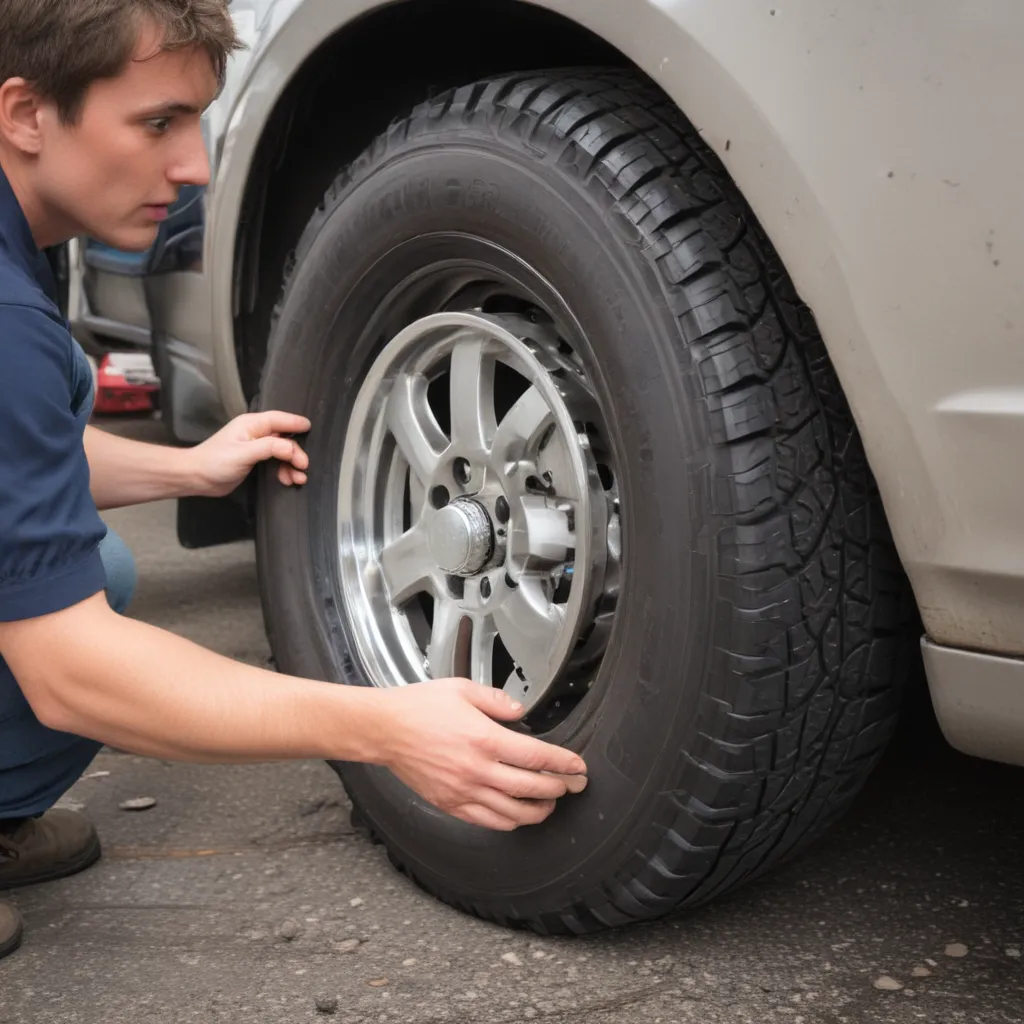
(461, 537)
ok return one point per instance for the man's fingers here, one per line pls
(524, 785)
(522, 751)
(573, 783)
(262, 424)
(494, 703)
(285, 451)
(522, 812)
(291, 477)
(273, 448)
(517, 749)
(300, 460)
(474, 814)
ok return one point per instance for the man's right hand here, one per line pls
(88, 671)
(441, 739)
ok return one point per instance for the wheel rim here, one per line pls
(486, 546)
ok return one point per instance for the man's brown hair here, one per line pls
(62, 46)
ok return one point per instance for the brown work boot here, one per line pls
(10, 929)
(40, 849)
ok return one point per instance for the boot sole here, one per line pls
(85, 859)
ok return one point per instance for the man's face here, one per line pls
(113, 173)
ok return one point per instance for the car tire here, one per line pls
(752, 673)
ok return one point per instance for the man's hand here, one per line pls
(223, 461)
(440, 740)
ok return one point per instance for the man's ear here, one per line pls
(22, 112)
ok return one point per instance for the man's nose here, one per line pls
(193, 164)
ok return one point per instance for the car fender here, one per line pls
(879, 146)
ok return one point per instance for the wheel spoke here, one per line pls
(529, 627)
(481, 651)
(519, 427)
(406, 566)
(446, 654)
(472, 398)
(410, 419)
(417, 495)
(555, 463)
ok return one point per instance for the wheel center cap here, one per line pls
(461, 537)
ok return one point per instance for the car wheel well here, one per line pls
(371, 72)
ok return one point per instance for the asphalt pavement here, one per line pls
(244, 895)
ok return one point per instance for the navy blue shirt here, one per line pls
(49, 527)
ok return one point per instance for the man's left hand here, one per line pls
(223, 461)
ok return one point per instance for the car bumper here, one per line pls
(978, 700)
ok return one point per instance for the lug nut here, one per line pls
(501, 509)
(462, 471)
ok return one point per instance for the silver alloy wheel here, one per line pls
(497, 530)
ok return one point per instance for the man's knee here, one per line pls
(122, 575)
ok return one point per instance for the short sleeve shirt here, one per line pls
(50, 529)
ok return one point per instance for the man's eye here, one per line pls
(159, 124)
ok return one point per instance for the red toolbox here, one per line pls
(125, 383)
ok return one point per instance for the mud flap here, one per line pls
(207, 522)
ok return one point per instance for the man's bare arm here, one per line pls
(87, 670)
(125, 472)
